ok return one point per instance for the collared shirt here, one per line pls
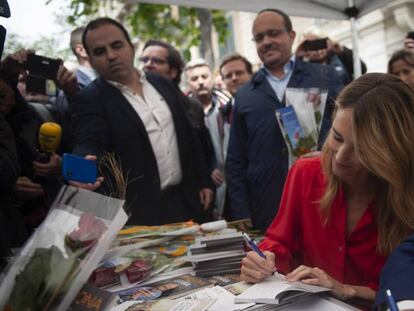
(89, 72)
(279, 85)
(157, 119)
(298, 234)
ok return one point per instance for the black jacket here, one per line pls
(12, 233)
(104, 121)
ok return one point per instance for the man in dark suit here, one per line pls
(257, 158)
(140, 118)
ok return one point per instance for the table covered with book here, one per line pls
(79, 259)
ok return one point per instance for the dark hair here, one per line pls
(96, 23)
(286, 18)
(76, 38)
(236, 56)
(404, 55)
(174, 57)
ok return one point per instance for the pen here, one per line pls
(391, 302)
(253, 245)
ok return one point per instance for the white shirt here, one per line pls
(280, 85)
(157, 119)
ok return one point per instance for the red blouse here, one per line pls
(298, 236)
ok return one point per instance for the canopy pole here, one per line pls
(352, 12)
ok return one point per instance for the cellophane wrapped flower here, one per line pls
(58, 258)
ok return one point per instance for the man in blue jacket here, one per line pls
(257, 160)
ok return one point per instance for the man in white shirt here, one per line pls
(140, 118)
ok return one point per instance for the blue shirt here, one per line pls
(279, 85)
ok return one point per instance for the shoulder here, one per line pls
(158, 80)
(92, 89)
(250, 90)
(307, 168)
(313, 68)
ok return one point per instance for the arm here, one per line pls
(347, 59)
(9, 164)
(90, 127)
(316, 276)
(236, 167)
(283, 236)
(200, 164)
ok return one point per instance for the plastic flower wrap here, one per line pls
(301, 120)
(59, 257)
(131, 268)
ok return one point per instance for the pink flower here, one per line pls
(89, 230)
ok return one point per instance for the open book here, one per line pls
(275, 290)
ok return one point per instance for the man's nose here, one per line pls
(110, 54)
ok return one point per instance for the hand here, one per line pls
(53, 167)
(66, 80)
(217, 177)
(27, 189)
(13, 64)
(255, 269)
(88, 186)
(206, 196)
(409, 44)
(316, 276)
(334, 47)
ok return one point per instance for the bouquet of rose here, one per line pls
(59, 257)
(301, 120)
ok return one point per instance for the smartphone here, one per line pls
(79, 169)
(314, 45)
(410, 35)
(41, 66)
(35, 84)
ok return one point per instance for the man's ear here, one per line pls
(81, 51)
(292, 35)
(173, 73)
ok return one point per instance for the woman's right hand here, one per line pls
(255, 269)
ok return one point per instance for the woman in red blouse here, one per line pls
(342, 213)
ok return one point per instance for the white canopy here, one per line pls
(327, 9)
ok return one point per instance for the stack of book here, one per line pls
(219, 254)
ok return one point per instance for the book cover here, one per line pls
(297, 142)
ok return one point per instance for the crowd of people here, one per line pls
(213, 152)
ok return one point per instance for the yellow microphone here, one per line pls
(50, 134)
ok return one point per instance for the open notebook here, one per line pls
(275, 290)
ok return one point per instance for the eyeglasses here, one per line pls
(272, 33)
(155, 60)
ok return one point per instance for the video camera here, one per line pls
(4, 12)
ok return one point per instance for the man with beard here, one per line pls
(257, 159)
(201, 83)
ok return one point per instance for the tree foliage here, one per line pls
(178, 25)
(45, 45)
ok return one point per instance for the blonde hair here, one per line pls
(383, 130)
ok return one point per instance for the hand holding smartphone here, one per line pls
(315, 45)
(76, 168)
(42, 67)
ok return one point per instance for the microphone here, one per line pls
(49, 140)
